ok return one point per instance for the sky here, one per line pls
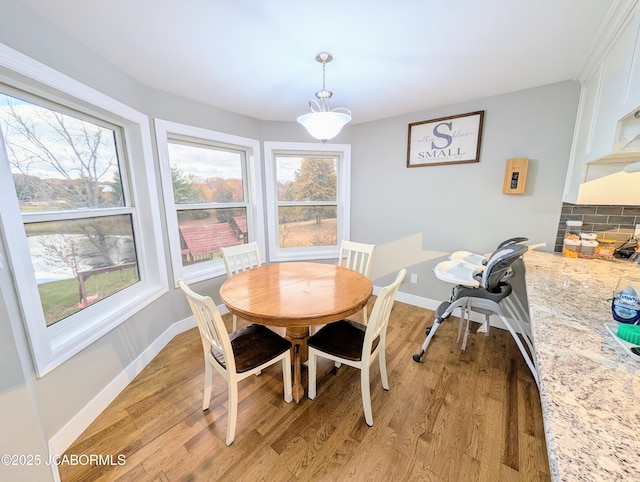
(41, 121)
(208, 163)
(198, 161)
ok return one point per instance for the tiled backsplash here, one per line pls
(615, 222)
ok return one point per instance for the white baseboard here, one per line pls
(415, 300)
(430, 304)
(65, 437)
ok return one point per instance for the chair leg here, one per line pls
(522, 349)
(485, 326)
(208, 383)
(466, 334)
(232, 415)
(521, 324)
(465, 314)
(366, 395)
(235, 323)
(383, 368)
(312, 362)
(286, 377)
(460, 325)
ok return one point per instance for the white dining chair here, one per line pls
(240, 258)
(358, 257)
(245, 352)
(357, 345)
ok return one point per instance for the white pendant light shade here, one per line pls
(324, 123)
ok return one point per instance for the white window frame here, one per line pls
(343, 151)
(252, 188)
(51, 346)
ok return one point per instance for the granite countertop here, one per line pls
(589, 387)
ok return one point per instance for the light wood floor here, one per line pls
(458, 416)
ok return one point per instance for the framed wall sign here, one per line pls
(448, 140)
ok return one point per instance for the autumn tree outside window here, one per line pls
(211, 185)
(308, 199)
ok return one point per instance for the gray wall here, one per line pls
(452, 207)
(22, 429)
(461, 207)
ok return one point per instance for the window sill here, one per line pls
(66, 341)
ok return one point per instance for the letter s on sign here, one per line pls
(442, 135)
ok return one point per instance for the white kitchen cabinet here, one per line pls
(582, 133)
(610, 94)
(632, 92)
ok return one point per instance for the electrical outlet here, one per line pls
(637, 233)
(414, 278)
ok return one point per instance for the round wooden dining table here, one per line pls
(295, 296)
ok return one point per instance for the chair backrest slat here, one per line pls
(356, 256)
(240, 257)
(210, 325)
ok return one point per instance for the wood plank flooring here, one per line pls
(469, 415)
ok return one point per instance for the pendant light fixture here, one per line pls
(322, 122)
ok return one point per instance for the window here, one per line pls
(308, 199)
(75, 211)
(74, 220)
(212, 197)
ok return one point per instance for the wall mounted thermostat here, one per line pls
(515, 176)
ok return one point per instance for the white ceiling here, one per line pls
(257, 57)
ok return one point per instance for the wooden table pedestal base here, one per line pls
(299, 354)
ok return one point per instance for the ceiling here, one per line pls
(257, 57)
